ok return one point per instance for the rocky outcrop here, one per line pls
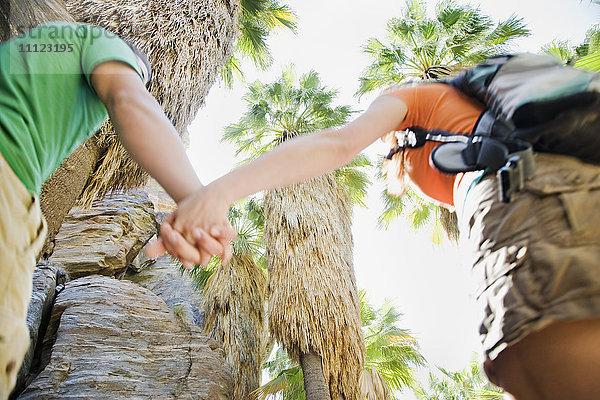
(163, 278)
(46, 278)
(113, 339)
(105, 338)
(105, 238)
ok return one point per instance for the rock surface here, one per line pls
(46, 277)
(113, 339)
(105, 238)
(163, 278)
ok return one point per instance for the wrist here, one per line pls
(189, 192)
(220, 191)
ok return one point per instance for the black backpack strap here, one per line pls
(477, 153)
(488, 124)
(511, 177)
(485, 153)
(510, 159)
(416, 136)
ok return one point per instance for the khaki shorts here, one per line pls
(22, 235)
(536, 260)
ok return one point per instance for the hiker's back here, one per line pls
(554, 107)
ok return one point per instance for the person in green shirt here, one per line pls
(58, 83)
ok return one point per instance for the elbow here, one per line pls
(345, 153)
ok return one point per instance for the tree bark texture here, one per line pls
(315, 386)
(62, 190)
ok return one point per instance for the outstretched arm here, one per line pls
(152, 141)
(293, 161)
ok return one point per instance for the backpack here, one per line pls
(532, 103)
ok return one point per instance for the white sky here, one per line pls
(429, 284)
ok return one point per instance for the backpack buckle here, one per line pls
(510, 178)
(412, 138)
(405, 138)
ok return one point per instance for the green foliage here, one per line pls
(287, 379)
(258, 19)
(424, 48)
(201, 275)
(559, 49)
(587, 55)
(390, 349)
(590, 62)
(584, 56)
(247, 218)
(419, 213)
(354, 178)
(393, 207)
(291, 107)
(470, 383)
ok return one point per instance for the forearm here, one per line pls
(151, 140)
(291, 162)
(312, 155)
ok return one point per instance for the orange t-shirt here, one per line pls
(435, 106)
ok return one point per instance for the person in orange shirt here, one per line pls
(431, 106)
(535, 258)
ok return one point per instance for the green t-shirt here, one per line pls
(47, 104)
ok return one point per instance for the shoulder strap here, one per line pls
(416, 136)
(511, 160)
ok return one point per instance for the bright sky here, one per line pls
(429, 284)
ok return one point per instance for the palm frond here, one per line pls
(257, 21)
(289, 383)
(393, 207)
(391, 351)
(200, 276)
(355, 179)
(508, 30)
(253, 7)
(253, 44)
(448, 15)
(367, 312)
(470, 383)
(590, 62)
(231, 71)
(282, 16)
(559, 49)
(417, 46)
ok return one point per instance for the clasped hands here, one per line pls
(196, 231)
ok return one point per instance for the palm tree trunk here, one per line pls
(4, 20)
(313, 300)
(234, 305)
(449, 222)
(17, 17)
(62, 190)
(315, 386)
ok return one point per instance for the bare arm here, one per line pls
(144, 129)
(313, 155)
(294, 161)
(152, 141)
